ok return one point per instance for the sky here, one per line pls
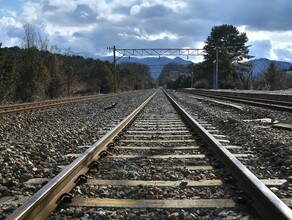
(92, 26)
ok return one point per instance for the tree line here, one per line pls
(34, 72)
(174, 76)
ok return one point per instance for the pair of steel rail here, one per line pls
(47, 199)
(280, 105)
(10, 109)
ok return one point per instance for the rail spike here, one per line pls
(81, 179)
(110, 145)
(93, 165)
(65, 199)
(103, 153)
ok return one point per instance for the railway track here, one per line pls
(156, 162)
(267, 101)
(11, 109)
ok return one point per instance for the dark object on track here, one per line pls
(111, 106)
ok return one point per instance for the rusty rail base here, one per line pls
(268, 205)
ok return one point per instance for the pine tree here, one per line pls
(229, 44)
(273, 77)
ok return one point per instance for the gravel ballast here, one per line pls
(34, 144)
(271, 147)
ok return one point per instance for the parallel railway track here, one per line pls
(156, 158)
(266, 102)
(10, 109)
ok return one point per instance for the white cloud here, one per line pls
(63, 5)
(67, 31)
(135, 9)
(7, 12)
(7, 21)
(10, 34)
(261, 48)
(173, 5)
(141, 34)
(269, 44)
(96, 24)
(30, 11)
(114, 17)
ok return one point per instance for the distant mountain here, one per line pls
(260, 65)
(155, 64)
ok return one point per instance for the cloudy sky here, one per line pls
(93, 25)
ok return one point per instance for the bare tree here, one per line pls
(55, 49)
(34, 76)
(29, 37)
(33, 39)
(244, 73)
(69, 52)
(42, 44)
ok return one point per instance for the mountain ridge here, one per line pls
(156, 64)
(261, 64)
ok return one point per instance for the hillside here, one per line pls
(261, 64)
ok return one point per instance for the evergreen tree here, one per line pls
(229, 44)
(273, 77)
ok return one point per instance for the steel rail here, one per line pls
(21, 105)
(40, 205)
(256, 100)
(9, 109)
(267, 100)
(265, 103)
(268, 205)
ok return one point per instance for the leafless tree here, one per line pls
(244, 72)
(29, 37)
(33, 39)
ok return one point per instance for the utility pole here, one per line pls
(213, 75)
(192, 72)
(216, 73)
(115, 66)
(115, 70)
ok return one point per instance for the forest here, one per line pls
(31, 74)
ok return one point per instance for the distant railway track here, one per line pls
(162, 139)
(265, 101)
(11, 109)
